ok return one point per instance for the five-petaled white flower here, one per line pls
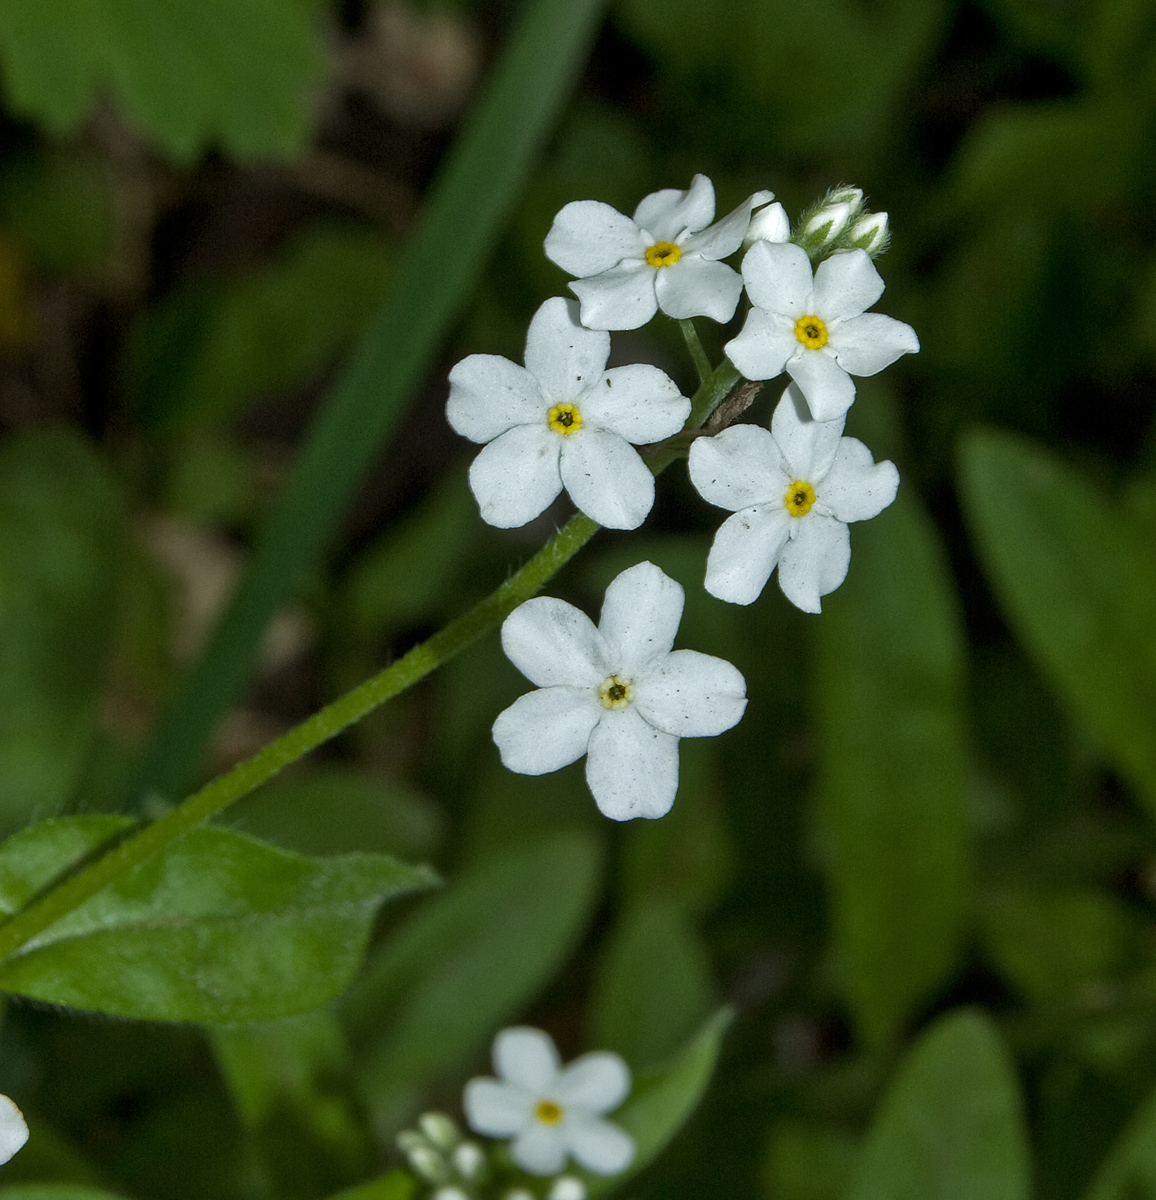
(563, 420)
(552, 1112)
(616, 693)
(792, 491)
(666, 257)
(816, 328)
(13, 1129)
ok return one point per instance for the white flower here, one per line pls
(816, 327)
(792, 491)
(567, 1187)
(770, 224)
(13, 1129)
(665, 257)
(551, 1112)
(563, 420)
(616, 693)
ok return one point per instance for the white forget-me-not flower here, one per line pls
(13, 1129)
(665, 257)
(552, 1112)
(816, 327)
(617, 692)
(562, 420)
(792, 491)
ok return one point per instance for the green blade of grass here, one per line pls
(464, 214)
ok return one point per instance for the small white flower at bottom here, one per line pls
(562, 421)
(792, 491)
(13, 1129)
(552, 1112)
(567, 1187)
(616, 693)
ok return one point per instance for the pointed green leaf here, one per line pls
(55, 1191)
(436, 991)
(220, 928)
(59, 546)
(190, 73)
(664, 1097)
(951, 1127)
(396, 1185)
(1076, 574)
(1129, 1171)
(893, 768)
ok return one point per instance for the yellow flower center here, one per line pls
(565, 419)
(812, 332)
(663, 254)
(616, 692)
(548, 1112)
(799, 498)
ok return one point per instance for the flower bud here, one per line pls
(519, 1194)
(826, 225)
(468, 1160)
(845, 195)
(440, 1130)
(870, 233)
(450, 1193)
(567, 1187)
(428, 1163)
(769, 224)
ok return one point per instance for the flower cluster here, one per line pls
(618, 693)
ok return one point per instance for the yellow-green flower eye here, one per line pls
(812, 332)
(663, 254)
(799, 498)
(564, 419)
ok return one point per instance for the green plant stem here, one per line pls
(323, 725)
(217, 795)
(697, 353)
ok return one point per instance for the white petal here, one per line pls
(770, 224)
(865, 345)
(597, 1083)
(631, 767)
(778, 277)
(607, 479)
(846, 284)
(553, 643)
(857, 488)
(563, 355)
(526, 1057)
(765, 345)
(13, 1129)
(546, 730)
(668, 213)
(827, 387)
(600, 1146)
(640, 616)
(496, 1109)
(814, 562)
(738, 467)
(515, 477)
(745, 551)
(639, 403)
(692, 695)
(540, 1149)
(808, 446)
(619, 298)
(588, 237)
(696, 287)
(726, 236)
(490, 394)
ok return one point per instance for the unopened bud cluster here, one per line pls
(841, 221)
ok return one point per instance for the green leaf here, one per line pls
(654, 984)
(951, 1127)
(55, 1191)
(664, 1097)
(396, 1185)
(466, 210)
(809, 1161)
(1129, 1171)
(206, 350)
(59, 548)
(1076, 575)
(220, 928)
(893, 769)
(190, 73)
(437, 989)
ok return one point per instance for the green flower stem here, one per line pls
(323, 725)
(697, 353)
(217, 795)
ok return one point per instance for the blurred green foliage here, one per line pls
(921, 872)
